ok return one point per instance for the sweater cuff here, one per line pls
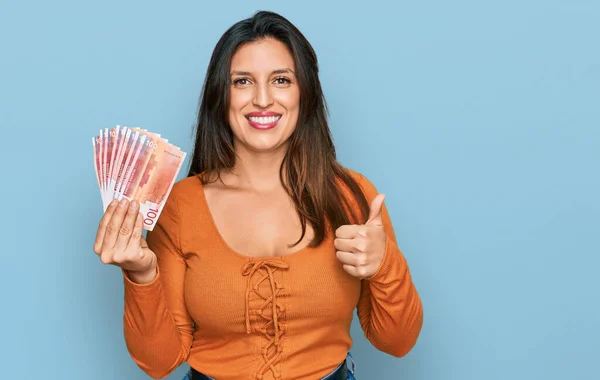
(141, 291)
(392, 264)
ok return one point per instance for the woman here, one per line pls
(262, 253)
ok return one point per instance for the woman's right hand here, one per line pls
(119, 241)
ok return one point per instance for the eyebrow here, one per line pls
(278, 71)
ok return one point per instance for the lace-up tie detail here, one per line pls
(265, 270)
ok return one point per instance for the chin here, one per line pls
(264, 144)
(263, 140)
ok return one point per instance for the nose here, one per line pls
(262, 96)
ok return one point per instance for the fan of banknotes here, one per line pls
(138, 165)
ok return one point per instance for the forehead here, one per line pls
(262, 56)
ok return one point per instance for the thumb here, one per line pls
(375, 210)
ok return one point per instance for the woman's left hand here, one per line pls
(360, 248)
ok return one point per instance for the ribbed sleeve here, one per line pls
(389, 308)
(157, 328)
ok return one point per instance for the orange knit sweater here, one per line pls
(233, 317)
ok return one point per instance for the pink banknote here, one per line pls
(96, 147)
(117, 168)
(156, 183)
(136, 164)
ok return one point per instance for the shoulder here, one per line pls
(357, 176)
(184, 209)
(184, 196)
(368, 188)
(186, 188)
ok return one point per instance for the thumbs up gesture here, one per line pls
(360, 248)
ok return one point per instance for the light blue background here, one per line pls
(479, 120)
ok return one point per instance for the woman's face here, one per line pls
(265, 98)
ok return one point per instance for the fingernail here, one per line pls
(133, 205)
(123, 202)
(113, 202)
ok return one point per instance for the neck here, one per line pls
(257, 170)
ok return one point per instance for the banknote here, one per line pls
(113, 141)
(157, 181)
(136, 164)
(137, 149)
(104, 149)
(111, 138)
(129, 152)
(123, 143)
(96, 148)
(101, 163)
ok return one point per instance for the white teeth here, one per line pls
(264, 120)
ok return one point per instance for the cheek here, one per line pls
(237, 102)
(290, 100)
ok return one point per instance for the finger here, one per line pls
(127, 227)
(343, 244)
(358, 272)
(114, 225)
(375, 210)
(102, 226)
(136, 235)
(348, 258)
(356, 245)
(347, 231)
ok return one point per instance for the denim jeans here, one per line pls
(349, 362)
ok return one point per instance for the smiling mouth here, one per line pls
(263, 122)
(264, 119)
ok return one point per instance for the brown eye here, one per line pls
(282, 80)
(240, 82)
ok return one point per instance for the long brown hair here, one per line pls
(315, 181)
